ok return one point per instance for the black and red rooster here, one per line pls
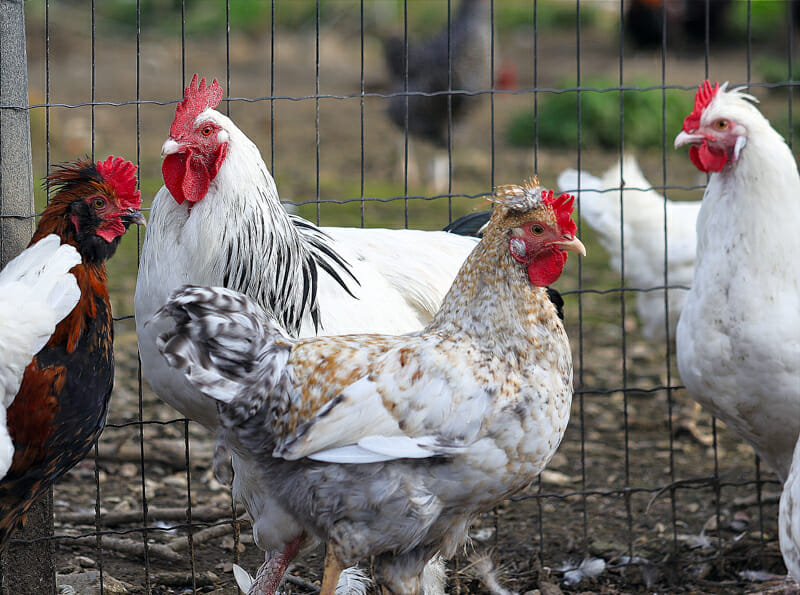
(60, 408)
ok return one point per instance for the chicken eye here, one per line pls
(537, 229)
(99, 203)
(721, 124)
(207, 130)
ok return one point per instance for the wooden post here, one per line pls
(27, 568)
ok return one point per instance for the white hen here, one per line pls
(633, 230)
(36, 292)
(789, 518)
(738, 338)
(218, 221)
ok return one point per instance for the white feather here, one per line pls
(36, 292)
(352, 581)
(243, 579)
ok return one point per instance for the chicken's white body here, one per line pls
(633, 231)
(738, 338)
(789, 518)
(229, 239)
(239, 236)
(36, 292)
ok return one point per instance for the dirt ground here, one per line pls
(644, 483)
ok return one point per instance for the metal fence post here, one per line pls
(27, 568)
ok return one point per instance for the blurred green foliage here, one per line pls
(600, 121)
(255, 16)
(776, 70)
(768, 19)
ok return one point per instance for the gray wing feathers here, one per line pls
(223, 340)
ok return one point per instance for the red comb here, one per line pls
(197, 97)
(120, 174)
(705, 93)
(563, 204)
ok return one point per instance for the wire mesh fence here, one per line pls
(648, 488)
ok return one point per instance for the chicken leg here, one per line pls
(330, 576)
(270, 573)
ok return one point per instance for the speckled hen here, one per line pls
(389, 446)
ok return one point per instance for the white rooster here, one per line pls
(633, 230)
(219, 221)
(738, 338)
(37, 291)
(387, 447)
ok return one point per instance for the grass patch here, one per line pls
(600, 122)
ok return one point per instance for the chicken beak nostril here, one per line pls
(170, 147)
(572, 244)
(132, 216)
(688, 138)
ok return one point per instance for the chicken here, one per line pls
(219, 221)
(789, 518)
(467, 46)
(442, 76)
(36, 292)
(738, 337)
(642, 212)
(60, 408)
(644, 20)
(387, 447)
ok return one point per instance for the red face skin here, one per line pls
(112, 226)
(713, 144)
(189, 171)
(543, 249)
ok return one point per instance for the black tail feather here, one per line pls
(470, 225)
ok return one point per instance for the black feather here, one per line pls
(470, 224)
(557, 300)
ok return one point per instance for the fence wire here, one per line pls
(659, 491)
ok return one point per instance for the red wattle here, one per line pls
(185, 176)
(546, 268)
(173, 169)
(706, 158)
(110, 230)
(196, 181)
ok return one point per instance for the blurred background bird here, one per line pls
(432, 82)
(388, 447)
(644, 20)
(60, 407)
(628, 216)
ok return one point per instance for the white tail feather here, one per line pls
(243, 579)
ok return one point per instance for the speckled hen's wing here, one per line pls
(420, 398)
(350, 398)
